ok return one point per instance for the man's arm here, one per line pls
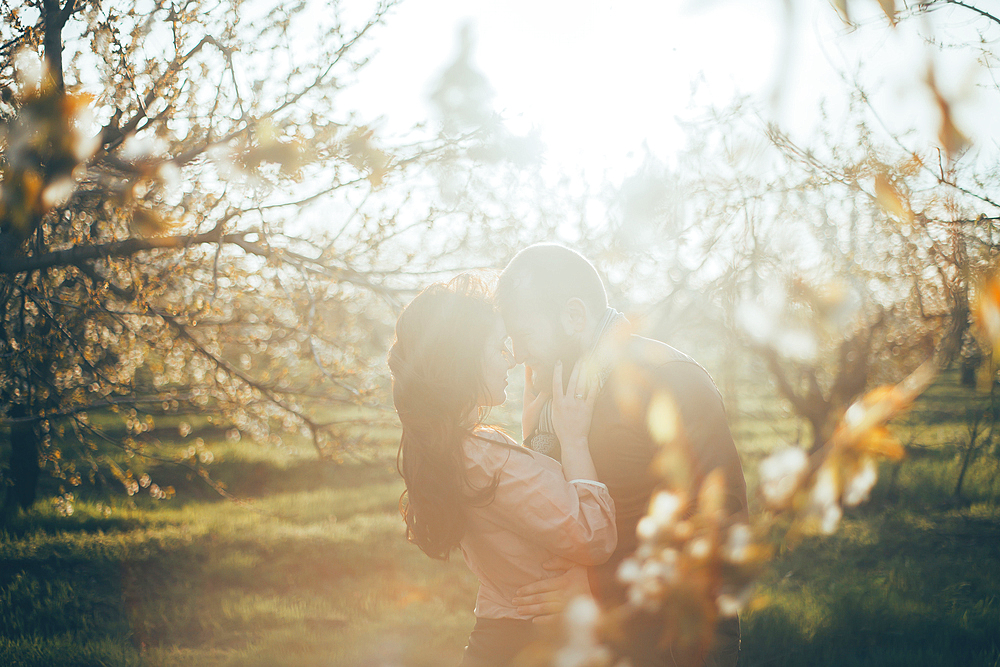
(545, 599)
(706, 431)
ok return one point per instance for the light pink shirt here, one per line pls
(535, 514)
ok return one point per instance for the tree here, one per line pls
(191, 221)
(841, 260)
(934, 208)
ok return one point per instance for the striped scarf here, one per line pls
(599, 361)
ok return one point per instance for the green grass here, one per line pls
(889, 589)
(311, 567)
(910, 578)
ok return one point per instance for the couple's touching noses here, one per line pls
(552, 517)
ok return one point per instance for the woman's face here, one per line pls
(497, 362)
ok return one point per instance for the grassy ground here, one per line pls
(312, 568)
(911, 578)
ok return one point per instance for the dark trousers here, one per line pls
(642, 645)
(495, 642)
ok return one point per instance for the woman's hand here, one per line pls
(534, 400)
(572, 409)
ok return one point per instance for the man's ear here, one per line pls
(574, 316)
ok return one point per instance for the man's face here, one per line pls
(539, 340)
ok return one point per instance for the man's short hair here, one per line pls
(547, 275)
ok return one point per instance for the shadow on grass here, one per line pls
(890, 589)
(241, 478)
(36, 522)
(199, 575)
(211, 590)
(256, 479)
(66, 609)
(860, 633)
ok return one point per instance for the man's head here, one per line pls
(551, 299)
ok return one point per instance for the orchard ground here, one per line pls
(310, 567)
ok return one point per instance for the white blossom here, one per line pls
(738, 543)
(855, 414)
(647, 528)
(858, 487)
(823, 504)
(664, 507)
(780, 474)
(29, 69)
(699, 548)
(582, 648)
(728, 605)
(629, 571)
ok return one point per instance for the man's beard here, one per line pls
(568, 350)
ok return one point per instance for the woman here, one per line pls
(471, 487)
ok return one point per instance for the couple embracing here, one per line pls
(554, 516)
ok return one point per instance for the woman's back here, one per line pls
(535, 514)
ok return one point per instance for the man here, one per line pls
(555, 308)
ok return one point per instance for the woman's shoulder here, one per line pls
(493, 435)
(489, 439)
(489, 447)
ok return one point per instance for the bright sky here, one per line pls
(598, 78)
(601, 78)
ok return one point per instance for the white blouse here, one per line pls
(535, 514)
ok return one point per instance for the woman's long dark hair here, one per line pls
(436, 361)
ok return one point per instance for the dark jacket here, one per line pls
(647, 376)
(623, 448)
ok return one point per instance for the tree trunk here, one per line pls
(961, 473)
(974, 422)
(55, 19)
(24, 468)
(822, 430)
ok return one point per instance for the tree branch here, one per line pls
(124, 400)
(113, 135)
(977, 10)
(126, 248)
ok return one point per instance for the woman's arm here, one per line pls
(572, 410)
(531, 407)
(533, 499)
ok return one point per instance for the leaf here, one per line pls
(881, 442)
(952, 139)
(662, 419)
(862, 427)
(147, 222)
(891, 200)
(363, 155)
(889, 7)
(712, 495)
(987, 310)
(841, 6)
